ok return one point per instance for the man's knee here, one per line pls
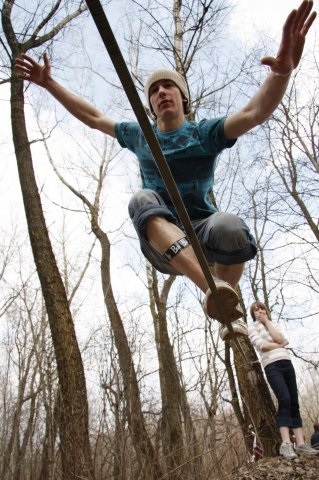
(229, 232)
(147, 206)
(141, 199)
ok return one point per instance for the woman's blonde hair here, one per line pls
(254, 306)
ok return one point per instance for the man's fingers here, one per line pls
(308, 23)
(297, 19)
(28, 59)
(303, 12)
(303, 23)
(290, 22)
(46, 59)
(20, 65)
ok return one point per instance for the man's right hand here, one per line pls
(29, 69)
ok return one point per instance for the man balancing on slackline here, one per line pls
(191, 149)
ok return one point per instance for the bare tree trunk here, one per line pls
(112, 384)
(48, 451)
(145, 452)
(258, 404)
(73, 415)
(179, 448)
(212, 377)
(12, 454)
(171, 424)
(73, 427)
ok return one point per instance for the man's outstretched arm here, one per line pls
(270, 94)
(30, 70)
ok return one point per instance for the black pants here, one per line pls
(282, 379)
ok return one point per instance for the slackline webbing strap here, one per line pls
(119, 64)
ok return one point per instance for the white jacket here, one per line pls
(258, 334)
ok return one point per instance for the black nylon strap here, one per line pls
(175, 248)
(119, 64)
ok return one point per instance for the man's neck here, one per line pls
(168, 125)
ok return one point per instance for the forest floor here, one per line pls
(278, 468)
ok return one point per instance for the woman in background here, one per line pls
(315, 436)
(271, 344)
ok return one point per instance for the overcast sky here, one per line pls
(249, 18)
(268, 16)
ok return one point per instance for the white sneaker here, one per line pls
(287, 450)
(239, 327)
(228, 299)
(306, 450)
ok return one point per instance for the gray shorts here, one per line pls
(224, 237)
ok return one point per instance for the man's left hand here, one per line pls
(293, 40)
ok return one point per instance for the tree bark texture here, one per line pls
(145, 452)
(178, 434)
(258, 406)
(73, 415)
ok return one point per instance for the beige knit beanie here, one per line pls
(164, 74)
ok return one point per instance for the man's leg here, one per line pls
(229, 273)
(223, 237)
(162, 234)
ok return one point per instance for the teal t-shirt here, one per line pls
(190, 151)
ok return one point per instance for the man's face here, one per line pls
(165, 98)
